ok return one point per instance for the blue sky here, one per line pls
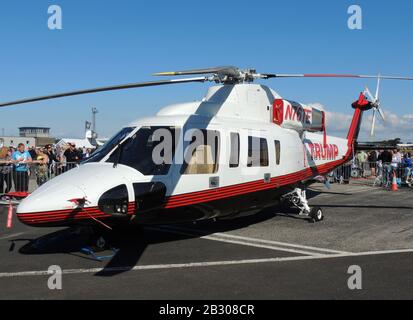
(114, 42)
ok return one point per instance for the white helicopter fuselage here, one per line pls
(235, 114)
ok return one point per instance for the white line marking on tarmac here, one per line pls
(325, 194)
(289, 247)
(12, 236)
(239, 242)
(203, 264)
(323, 250)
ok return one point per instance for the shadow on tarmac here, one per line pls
(132, 241)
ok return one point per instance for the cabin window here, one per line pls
(202, 154)
(257, 152)
(235, 150)
(277, 152)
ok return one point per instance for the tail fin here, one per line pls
(360, 106)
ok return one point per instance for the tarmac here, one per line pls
(267, 256)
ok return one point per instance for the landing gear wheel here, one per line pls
(316, 215)
(99, 244)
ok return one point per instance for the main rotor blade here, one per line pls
(103, 89)
(227, 71)
(269, 75)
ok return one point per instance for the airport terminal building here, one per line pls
(29, 136)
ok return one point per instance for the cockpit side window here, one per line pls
(103, 151)
(150, 150)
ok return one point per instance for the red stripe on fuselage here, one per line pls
(64, 215)
(185, 199)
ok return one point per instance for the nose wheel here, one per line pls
(97, 243)
(100, 244)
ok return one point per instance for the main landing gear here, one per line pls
(298, 199)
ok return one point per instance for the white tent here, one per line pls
(80, 143)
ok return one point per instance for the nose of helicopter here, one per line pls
(73, 196)
(49, 204)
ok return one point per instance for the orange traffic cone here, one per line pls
(10, 217)
(394, 186)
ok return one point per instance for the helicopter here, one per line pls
(240, 149)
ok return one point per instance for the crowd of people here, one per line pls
(16, 164)
(386, 161)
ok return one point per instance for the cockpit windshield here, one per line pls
(150, 150)
(102, 152)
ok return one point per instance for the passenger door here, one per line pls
(198, 167)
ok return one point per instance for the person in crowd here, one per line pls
(52, 160)
(32, 151)
(396, 159)
(372, 159)
(386, 158)
(6, 170)
(379, 164)
(61, 166)
(72, 156)
(407, 165)
(21, 158)
(41, 169)
(362, 158)
(80, 153)
(87, 153)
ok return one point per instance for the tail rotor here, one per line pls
(376, 105)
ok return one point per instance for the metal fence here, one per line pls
(375, 174)
(28, 177)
